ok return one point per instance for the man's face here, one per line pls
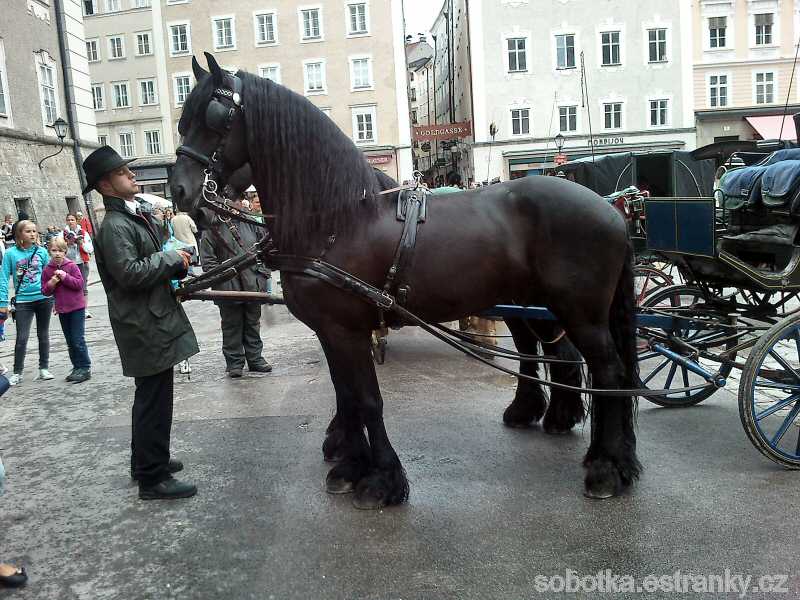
(255, 203)
(71, 221)
(121, 183)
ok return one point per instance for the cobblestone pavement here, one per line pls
(490, 509)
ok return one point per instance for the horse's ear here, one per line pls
(199, 72)
(216, 70)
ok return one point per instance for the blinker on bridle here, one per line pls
(221, 111)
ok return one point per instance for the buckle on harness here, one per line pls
(384, 300)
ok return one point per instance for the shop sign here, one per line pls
(442, 131)
(379, 159)
(608, 141)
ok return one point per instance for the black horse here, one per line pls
(534, 241)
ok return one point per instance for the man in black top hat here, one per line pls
(150, 327)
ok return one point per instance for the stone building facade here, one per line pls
(41, 80)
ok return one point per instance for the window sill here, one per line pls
(117, 58)
(572, 68)
(313, 40)
(657, 62)
(265, 44)
(225, 49)
(316, 92)
(517, 72)
(369, 88)
(181, 53)
(618, 64)
(358, 34)
(143, 55)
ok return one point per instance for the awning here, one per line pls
(769, 128)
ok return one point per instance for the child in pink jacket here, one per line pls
(62, 279)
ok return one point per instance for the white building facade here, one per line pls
(538, 68)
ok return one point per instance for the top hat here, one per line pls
(103, 160)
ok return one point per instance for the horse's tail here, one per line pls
(622, 321)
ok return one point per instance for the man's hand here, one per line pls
(187, 258)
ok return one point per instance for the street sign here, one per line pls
(442, 131)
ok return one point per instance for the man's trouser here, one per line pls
(241, 338)
(152, 423)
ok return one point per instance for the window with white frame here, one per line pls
(89, 7)
(657, 45)
(147, 92)
(266, 28)
(152, 141)
(764, 22)
(113, 5)
(47, 89)
(520, 121)
(567, 118)
(311, 23)
(143, 46)
(116, 47)
(224, 33)
(565, 51)
(717, 90)
(121, 97)
(97, 96)
(314, 76)
(271, 72)
(357, 22)
(102, 140)
(659, 112)
(183, 85)
(361, 73)
(92, 51)
(717, 32)
(141, 3)
(5, 110)
(179, 39)
(126, 149)
(517, 55)
(609, 43)
(612, 115)
(364, 125)
(765, 87)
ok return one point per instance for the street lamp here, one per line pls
(559, 140)
(60, 126)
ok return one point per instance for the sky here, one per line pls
(420, 14)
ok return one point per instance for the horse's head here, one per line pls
(213, 132)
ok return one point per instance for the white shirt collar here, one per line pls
(131, 206)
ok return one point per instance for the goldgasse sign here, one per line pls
(442, 131)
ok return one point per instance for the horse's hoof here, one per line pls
(333, 458)
(518, 424)
(339, 486)
(602, 480)
(554, 430)
(368, 502)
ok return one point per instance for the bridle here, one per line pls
(222, 109)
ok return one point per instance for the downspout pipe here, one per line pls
(69, 97)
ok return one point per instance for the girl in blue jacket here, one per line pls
(23, 264)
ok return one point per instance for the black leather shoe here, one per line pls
(71, 376)
(234, 373)
(80, 375)
(173, 467)
(18, 579)
(263, 367)
(167, 490)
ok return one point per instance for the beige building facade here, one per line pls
(743, 57)
(125, 51)
(346, 56)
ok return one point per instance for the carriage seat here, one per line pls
(780, 186)
(781, 155)
(742, 187)
(771, 248)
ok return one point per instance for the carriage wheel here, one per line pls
(709, 339)
(780, 303)
(769, 393)
(646, 280)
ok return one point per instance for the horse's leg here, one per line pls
(381, 478)
(345, 441)
(529, 402)
(566, 407)
(610, 462)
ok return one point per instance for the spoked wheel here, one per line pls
(778, 303)
(648, 279)
(769, 393)
(711, 337)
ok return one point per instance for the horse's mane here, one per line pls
(313, 176)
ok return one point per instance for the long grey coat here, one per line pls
(150, 327)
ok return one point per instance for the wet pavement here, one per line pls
(491, 510)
